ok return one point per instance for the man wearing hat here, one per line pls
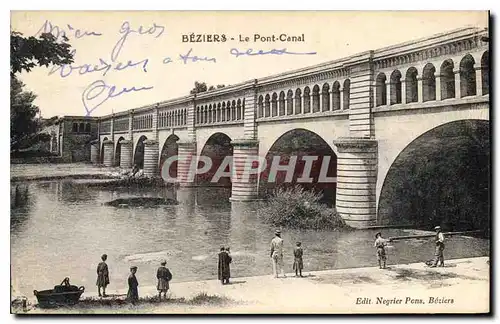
(380, 244)
(164, 276)
(277, 254)
(439, 258)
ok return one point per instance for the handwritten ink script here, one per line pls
(98, 92)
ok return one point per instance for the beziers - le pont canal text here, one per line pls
(256, 38)
(401, 301)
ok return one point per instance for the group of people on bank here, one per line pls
(164, 275)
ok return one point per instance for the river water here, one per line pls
(60, 229)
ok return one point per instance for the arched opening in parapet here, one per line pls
(260, 105)
(118, 151)
(346, 92)
(312, 164)
(315, 98)
(281, 103)
(485, 72)
(87, 128)
(411, 85)
(467, 76)
(441, 178)
(289, 102)
(267, 106)
(170, 149)
(447, 80)
(395, 85)
(429, 82)
(307, 100)
(218, 150)
(274, 104)
(325, 97)
(298, 101)
(336, 96)
(381, 90)
(139, 152)
(81, 128)
(101, 152)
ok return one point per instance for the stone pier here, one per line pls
(356, 181)
(244, 187)
(151, 158)
(108, 153)
(125, 154)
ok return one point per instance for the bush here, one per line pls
(298, 208)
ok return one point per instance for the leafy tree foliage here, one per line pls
(202, 87)
(25, 54)
(28, 52)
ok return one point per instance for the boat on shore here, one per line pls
(62, 295)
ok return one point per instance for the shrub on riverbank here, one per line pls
(129, 182)
(299, 209)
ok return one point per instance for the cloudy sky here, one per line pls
(154, 57)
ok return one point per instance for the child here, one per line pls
(102, 276)
(133, 292)
(380, 244)
(298, 264)
(164, 276)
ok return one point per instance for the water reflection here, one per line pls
(65, 228)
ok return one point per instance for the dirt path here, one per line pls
(462, 286)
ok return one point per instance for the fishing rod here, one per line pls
(408, 237)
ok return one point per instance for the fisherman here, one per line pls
(224, 268)
(277, 254)
(102, 276)
(438, 255)
(133, 292)
(380, 244)
(164, 276)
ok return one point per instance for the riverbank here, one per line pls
(26, 172)
(462, 286)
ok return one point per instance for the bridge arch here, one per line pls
(300, 143)
(217, 148)
(170, 148)
(118, 150)
(101, 151)
(440, 178)
(139, 151)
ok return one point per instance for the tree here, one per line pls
(202, 87)
(25, 54)
(23, 121)
(28, 52)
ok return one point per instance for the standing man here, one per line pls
(438, 256)
(102, 276)
(224, 267)
(277, 254)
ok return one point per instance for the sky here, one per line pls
(139, 53)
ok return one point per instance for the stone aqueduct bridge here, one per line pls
(368, 107)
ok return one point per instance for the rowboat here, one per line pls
(62, 295)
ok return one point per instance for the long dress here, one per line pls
(224, 267)
(102, 275)
(164, 276)
(133, 292)
(298, 264)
